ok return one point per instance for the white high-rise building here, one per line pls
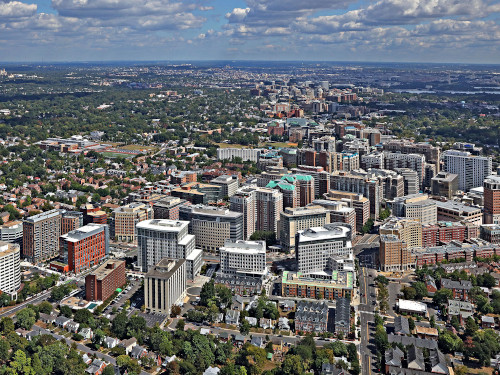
(243, 258)
(315, 247)
(10, 270)
(252, 154)
(162, 238)
(245, 201)
(471, 170)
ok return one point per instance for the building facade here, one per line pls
(125, 219)
(243, 258)
(103, 282)
(471, 170)
(41, 236)
(492, 200)
(10, 268)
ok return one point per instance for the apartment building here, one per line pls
(103, 282)
(41, 236)
(269, 207)
(167, 208)
(165, 286)
(417, 206)
(415, 162)
(394, 254)
(492, 200)
(471, 170)
(229, 184)
(360, 204)
(84, 247)
(245, 201)
(125, 219)
(293, 220)
(71, 220)
(10, 268)
(12, 232)
(408, 231)
(243, 153)
(444, 184)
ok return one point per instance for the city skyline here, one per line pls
(440, 31)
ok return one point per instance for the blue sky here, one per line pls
(349, 30)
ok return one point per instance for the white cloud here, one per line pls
(16, 9)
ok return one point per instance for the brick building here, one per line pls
(102, 283)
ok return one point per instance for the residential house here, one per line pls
(138, 352)
(393, 357)
(487, 322)
(62, 321)
(239, 339)
(460, 289)
(110, 342)
(205, 331)
(72, 326)
(462, 310)
(232, 317)
(237, 303)
(224, 336)
(401, 326)
(251, 320)
(415, 358)
(430, 284)
(283, 324)
(426, 332)
(257, 341)
(86, 359)
(343, 316)
(128, 344)
(48, 318)
(211, 371)
(265, 323)
(96, 367)
(330, 369)
(287, 305)
(311, 317)
(86, 333)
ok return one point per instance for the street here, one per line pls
(367, 312)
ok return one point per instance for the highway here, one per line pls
(367, 312)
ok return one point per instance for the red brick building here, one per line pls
(85, 246)
(445, 232)
(102, 283)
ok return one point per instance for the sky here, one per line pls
(460, 31)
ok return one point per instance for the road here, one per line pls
(42, 297)
(367, 312)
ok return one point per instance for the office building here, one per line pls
(394, 254)
(125, 219)
(243, 258)
(198, 193)
(71, 220)
(84, 247)
(415, 162)
(492, 200)
(105, 280)
(211, 226)
(444, 184)
(12, 232)
(288, 190)
(228, 183)
(432, 153)
(167, 208)
(408, 231)
(321, 178)
(490, 233)
(350, 161)
(410, 180)
(360, 204)
(161, 238)
(243, 153)
(293, 220)
(373, 160)
(269, 207)
(245, 201)
(359, 184)
(165, 286)
(10, 268)
(315, 246)
(471, 170)
(417, 206)
(41, 236)
(456, 211)
(331, 285)
(392, 184)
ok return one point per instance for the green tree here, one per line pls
(26, 318)
(66, 311)
(207, 293)
(244, 327)
(45, 307)
(292, 365)
(411, 324)
(119, 325)
(6, 325)
(20, 365)
(4, 351)
(420, 289)
(442, 296)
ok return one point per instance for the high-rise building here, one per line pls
(228, 183)
(211, 226)
(444, 184)
(10, 268)
(269, 208)
(165, 285)
(41, 236)
(415, 162)
(410, 178)
(432, 153)
(243, 153)
(492, 200)
(245, 201)
(125, 219)
(85, 247)
(12, 232)
(394, 254)
(293, 220)
(471, 170)
(167, 208)
(417, 206)
(71, 220)
(314, 247)
(408, 231)
(103, 282)
(161, 238)
(360, 204)
(243, 258)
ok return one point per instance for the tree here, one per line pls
(470, 326)
(175, 311)
(433, 321)
(21, 364)
(109, 370)
(420, 289)
(6, 325)
(66, 311)
(180, 325)
(82, 316)
(411, 324)
(244, 327)
(45, 307)
(4, 351)
(292, 365)
(207, 293)
(26, 318)
(442, 296)
(409, 292)
(119, 325)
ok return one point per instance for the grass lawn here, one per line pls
(138, 147)
(228, 145)
(116, 155)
